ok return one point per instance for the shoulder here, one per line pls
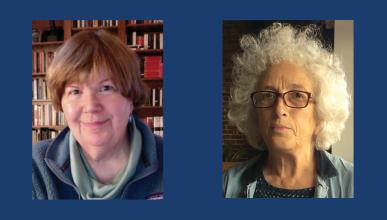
(39, 169)
(39, 150)
(159, 147)
(239, 170)
(342, 166)
(238, 177)
(340, 182)
(159, 141)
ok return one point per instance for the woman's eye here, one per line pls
(299, 95)
(74, 92)
(107, 88)
(267, 95)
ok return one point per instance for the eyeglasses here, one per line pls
(292, 99)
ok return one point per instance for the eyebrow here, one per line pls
(297, 86)
(75, 84)
(105, 80)
(291, 87)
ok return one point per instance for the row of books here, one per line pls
(43, 134)
(41, 60)
(144, 21)
(94, 23)
(109, 23)
(145, 40)
(39, 89)
(156, 124)
(155, 97)
(44, 114)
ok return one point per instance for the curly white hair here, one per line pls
(282, 42)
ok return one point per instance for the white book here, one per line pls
(134, 35)
(153, 97)
(154, 40)
(44, 90)
(161, 40)
(54, 122)
(35, 119)
(62, 120)
(38, 114)
(35, 89)
(146, 42)
(161, 97)
(156, 125)
(46, 111)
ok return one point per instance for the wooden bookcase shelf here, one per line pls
(145, 27)
(45, 24)
(53, 127)
(149, 111)
(94, 28)
(41, 101)
(47, 43)
(149, 51)
(38, 74)
(43, 44)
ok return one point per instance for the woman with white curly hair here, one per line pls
(290, 99)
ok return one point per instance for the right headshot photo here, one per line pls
(288, 118)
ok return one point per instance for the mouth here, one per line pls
(95, 124)
(279, 128)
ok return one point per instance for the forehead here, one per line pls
(286, 76)
(89, 76)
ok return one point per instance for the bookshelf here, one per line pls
(145, 37)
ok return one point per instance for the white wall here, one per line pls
(344, 45)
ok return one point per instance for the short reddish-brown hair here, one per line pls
(88, 53)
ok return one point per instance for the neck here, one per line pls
(106, 162)
(291, 169)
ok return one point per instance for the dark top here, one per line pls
(264, 190)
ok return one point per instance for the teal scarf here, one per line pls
(83, 175)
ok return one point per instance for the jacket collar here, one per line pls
(325, 167)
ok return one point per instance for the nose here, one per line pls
(91, 103)
(279, 107)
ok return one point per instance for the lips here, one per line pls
(95, 124)
(279, 127)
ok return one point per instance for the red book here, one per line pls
(153, 58)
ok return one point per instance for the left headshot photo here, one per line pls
(97, 109)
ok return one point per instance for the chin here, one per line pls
(281, 145)
(97, 140)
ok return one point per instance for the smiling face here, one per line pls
(281, 127)
(96, 112)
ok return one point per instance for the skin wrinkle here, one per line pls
(290, 149)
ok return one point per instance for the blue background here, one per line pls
(192, 111)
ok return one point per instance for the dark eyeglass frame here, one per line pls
(277, 94)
